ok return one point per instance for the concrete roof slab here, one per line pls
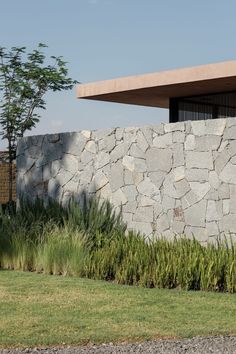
(155, 89)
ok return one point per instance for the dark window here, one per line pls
(211, 106)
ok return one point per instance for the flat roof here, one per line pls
(155, 89)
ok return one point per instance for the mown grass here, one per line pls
(41, 310)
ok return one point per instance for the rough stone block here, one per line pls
(63, 177)
(212, 194)
(85, 176)
(130, 134)
(142, 142)
(144, 201)
(200, 189)
(119, 151)
(172, 127)
(182, 187)
(127, 218)
(178, 227)
(86, 157)
(105, 192)
(102, 133)
(178, 137)
(130, 192)
(196, 159)
(137, 177)
(69, 163)
(211, 211)
(223, 191)
(71, 187)
(49, 152)
(230, 133)
(232, 148)
(215, 127)
(119, 132)
(135, 151)
(230, 122)
(144, 214)
(91, 147)
(178, 213)
(212, 228)
(196, 175)
(189, 199)
(221, 160)
(190, 142)
(55, 191)
(100, 180)
(232, 203)
(53, 138)
(55, 168)
(157, 177)
(223, 145)
(86, 133)
(159, 159)
(228, 173)
(195, 214)
(102, 159)
(168, 186)
(129, 207)
(199, 233)
(207, 142)
(21, 147)
(24, 163)
(178, 155)
(128, 163)
(119, 198)
(198, 127)
(108, 143)
(167, 203)
(148, 134)
(146, 187)
(162, 224)
(33, 152)
(163, 141)
(179, 173)
(226, 206)
(214, 179)
(228, 224)
(128, 177)
(46, 172)
(116, 176)
(72, 143)
(158, 129)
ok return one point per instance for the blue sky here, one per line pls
(104, 39)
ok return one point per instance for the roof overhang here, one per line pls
(156, 89)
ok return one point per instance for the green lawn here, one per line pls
(39, 310)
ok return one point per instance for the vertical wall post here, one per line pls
(173, 110)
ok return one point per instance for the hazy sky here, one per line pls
(104, 39)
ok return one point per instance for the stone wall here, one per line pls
(170, 178)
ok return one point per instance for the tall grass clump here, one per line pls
(181, 263)
(89, 239)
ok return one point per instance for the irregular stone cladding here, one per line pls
(169, 179)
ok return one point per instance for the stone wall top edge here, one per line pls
(38, 136)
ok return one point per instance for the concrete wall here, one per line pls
(169, 178)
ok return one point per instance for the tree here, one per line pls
(24, 81)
